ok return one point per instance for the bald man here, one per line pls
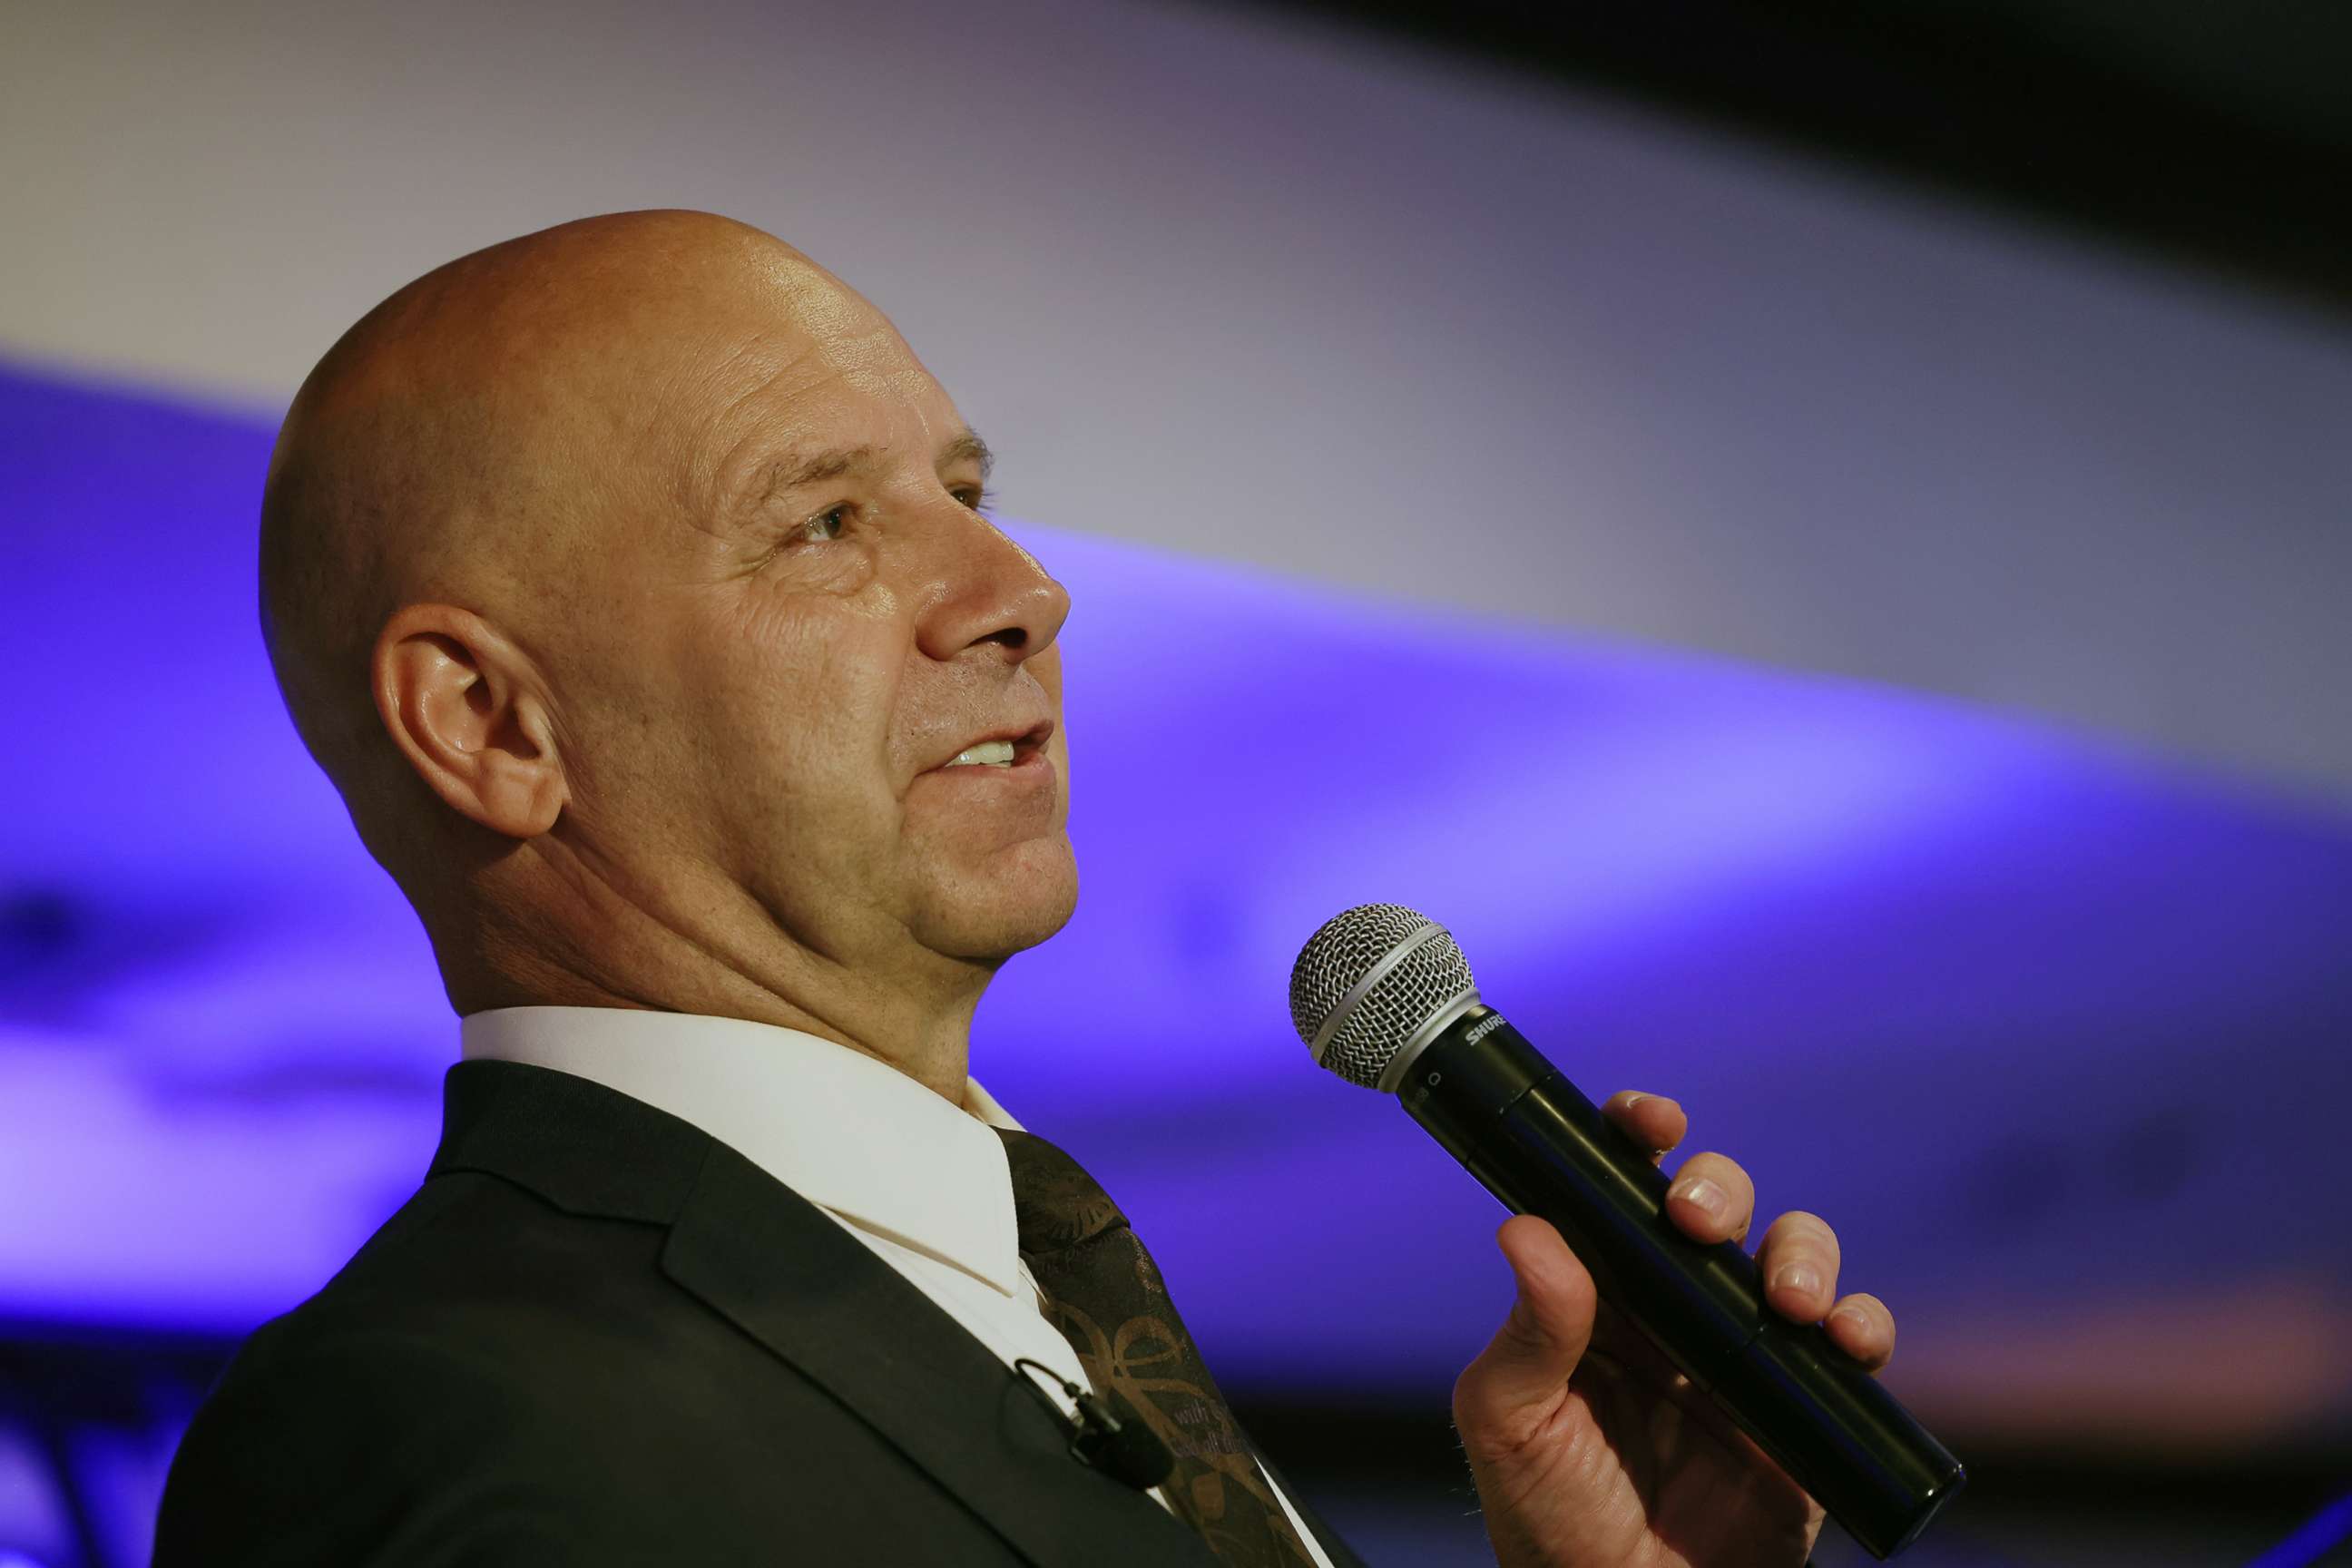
(631, 582)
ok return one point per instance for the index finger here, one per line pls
(1652, 1120)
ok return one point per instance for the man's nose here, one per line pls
(989, 594)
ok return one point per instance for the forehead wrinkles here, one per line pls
(741, 398)
(758, 324)
(802, 394)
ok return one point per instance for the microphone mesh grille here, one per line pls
(1340, 953)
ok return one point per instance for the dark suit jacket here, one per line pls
(597, 1336)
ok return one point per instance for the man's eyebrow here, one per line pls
(969, 447)
(790, 473)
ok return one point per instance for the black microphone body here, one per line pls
(1517, 1123)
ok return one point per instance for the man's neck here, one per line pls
(612, 954)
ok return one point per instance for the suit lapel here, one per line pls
(771, 1263)
(1337, 1552)
(808, 1292)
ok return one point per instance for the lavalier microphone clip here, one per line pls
(1126, 1450)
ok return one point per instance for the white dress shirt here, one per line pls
(924, 1183)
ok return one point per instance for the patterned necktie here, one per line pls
(1106, 1296)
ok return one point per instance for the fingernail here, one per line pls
(1710, 1197)
(1798, 1277)
(1633, 1099)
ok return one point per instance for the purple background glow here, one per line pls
(2019, 1011)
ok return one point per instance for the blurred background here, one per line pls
(1814, 538)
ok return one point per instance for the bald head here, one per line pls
(630, 581)
(480, 431)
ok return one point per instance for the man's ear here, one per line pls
(463, 706)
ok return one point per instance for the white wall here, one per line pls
(1300, 299)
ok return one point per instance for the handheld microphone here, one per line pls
(1124, 1450)
(1384, 998)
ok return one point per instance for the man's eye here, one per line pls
(826, 524)
(976, 497)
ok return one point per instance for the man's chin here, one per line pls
(986, 917)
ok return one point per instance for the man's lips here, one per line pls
(1028, 743)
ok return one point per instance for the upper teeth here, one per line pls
(987, 754)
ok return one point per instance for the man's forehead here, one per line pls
(780, 363)
(784, 394)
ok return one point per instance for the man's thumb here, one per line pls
(1517, 1381)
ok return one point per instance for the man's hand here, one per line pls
(1590, 1450)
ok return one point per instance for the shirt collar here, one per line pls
(850, 1134)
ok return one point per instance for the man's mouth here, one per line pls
(1002, 750)
(987, 754)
